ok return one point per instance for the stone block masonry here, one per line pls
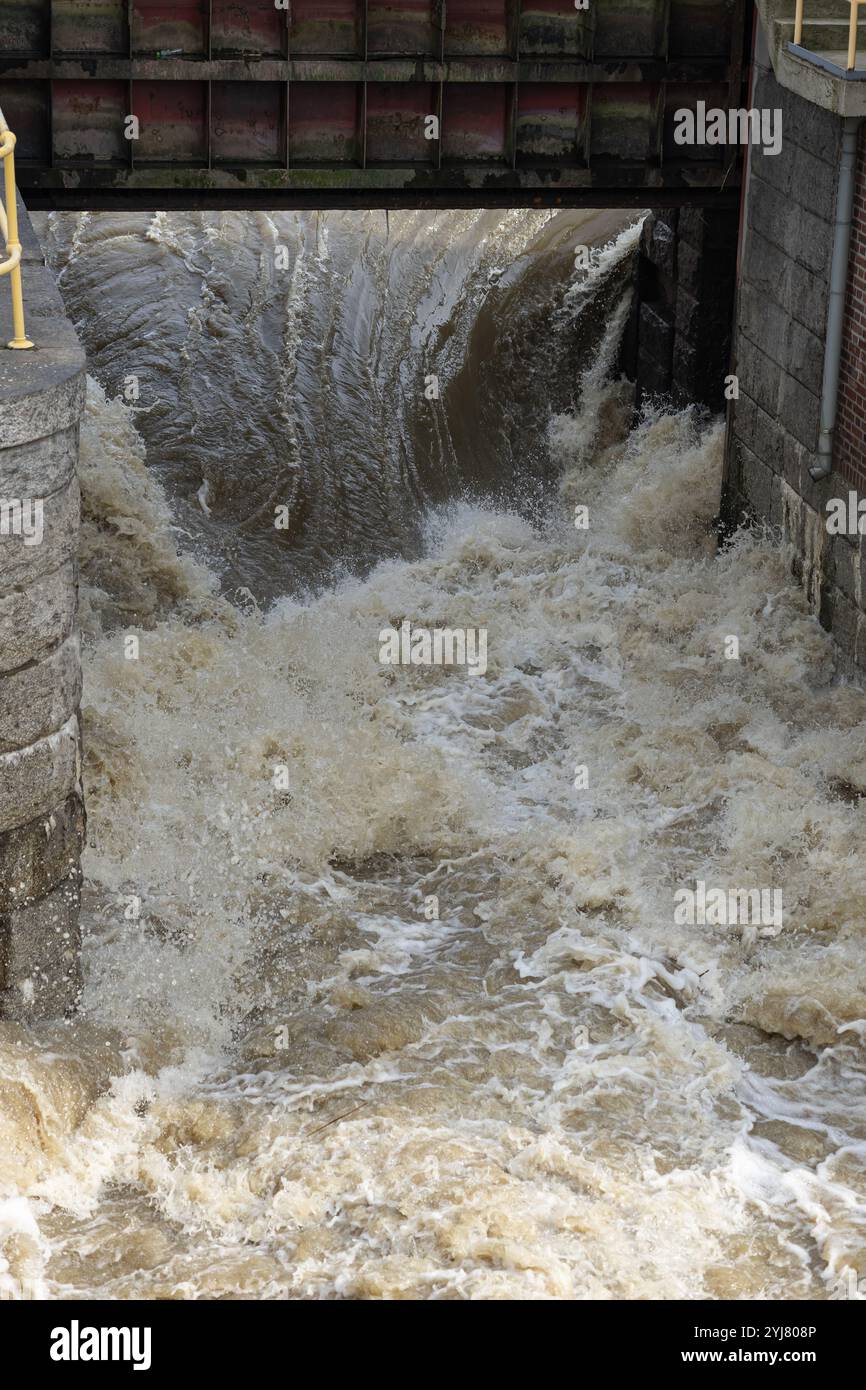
(782, 307)
(779, 345)
(851, 419)
(678, 342)
(699, 269)
(41, 808)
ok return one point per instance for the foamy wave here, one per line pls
(415, 1019)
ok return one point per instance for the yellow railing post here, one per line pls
(852, 29)
(9, 229)
(20, 340)
(852, 35)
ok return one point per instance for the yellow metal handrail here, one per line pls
(852, 30)
(9, 231)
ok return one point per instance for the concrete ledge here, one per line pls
(41, 389)
(813, 81)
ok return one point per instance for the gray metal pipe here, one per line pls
(836, 303)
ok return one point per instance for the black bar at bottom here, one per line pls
(58, 1340)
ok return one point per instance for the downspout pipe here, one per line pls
(836, 305)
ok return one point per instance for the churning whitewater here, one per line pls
(416, 1019)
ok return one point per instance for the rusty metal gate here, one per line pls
(374, 103)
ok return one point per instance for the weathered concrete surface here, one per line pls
(41, 810)
(809, 81)
(41, 391)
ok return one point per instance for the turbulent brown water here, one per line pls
(288, 1079)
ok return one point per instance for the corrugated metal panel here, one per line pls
(701, 28)
(401, 26)
(631, 29)
(172, 117)
(88, 119)
(89, 26)
(551, 123)
(247, 122)
(248, 26)
(160, 27)
(27, 108)
(326, 26)
(323, 122)
(683, 96)
(24, 26)
(475, 121)
(625, 122)
(554, 26)
(478, 27)
(396, 112)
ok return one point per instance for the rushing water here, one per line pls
(291, 1076)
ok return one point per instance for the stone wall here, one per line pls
(678, 342)
(41, 809)
(779, 358)
(850, 437)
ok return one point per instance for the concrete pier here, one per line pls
(41, 807)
